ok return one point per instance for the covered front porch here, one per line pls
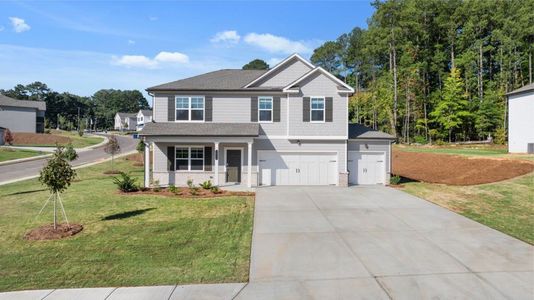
(224, 158)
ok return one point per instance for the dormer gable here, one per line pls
(283, 73)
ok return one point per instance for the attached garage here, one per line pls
(368, 155)
(297, 168)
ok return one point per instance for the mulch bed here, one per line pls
(26, 138)
(456, 170)
(47, 232)
(111, 172)
(186, 192)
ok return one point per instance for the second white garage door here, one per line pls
(286, 168)
(366, 167)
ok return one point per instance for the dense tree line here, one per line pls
(435, 69)
(64, 109)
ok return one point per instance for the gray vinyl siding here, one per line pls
(18, 119)
(318, 85)
(230, 109)
(285, 76)
(373, 145)
(282, 145)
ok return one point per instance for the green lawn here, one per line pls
(128, 240)
(467, 150)
(11, 153)
(507, 206)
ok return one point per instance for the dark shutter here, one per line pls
(171, 108)
(208, 108)
(254, 109)
(276, 109)
(207, 159)
(170, 158)
(328, 109)
(306, 109)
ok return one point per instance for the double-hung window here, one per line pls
(189, 158)
(317, 109)
(265, 109)
(189, 108)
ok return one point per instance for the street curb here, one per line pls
(77, 167)
(20, 160)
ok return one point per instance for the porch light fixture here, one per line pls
(298, 142)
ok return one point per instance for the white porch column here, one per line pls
(249, 165)
(216, 179)
(147, 164)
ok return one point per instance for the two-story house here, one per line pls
(125, 121)
(283, 126)
(143, 116)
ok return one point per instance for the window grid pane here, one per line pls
(197, 103)
(182, 103)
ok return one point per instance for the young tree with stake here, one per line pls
(57, 175)
(112, 147)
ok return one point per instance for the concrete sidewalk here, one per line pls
(170, 292)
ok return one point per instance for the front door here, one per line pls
(233, 165)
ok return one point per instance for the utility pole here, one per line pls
(78, 118)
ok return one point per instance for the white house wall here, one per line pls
(520, 122)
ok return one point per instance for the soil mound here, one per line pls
(456, 170)
(47, 232)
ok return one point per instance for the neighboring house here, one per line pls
(143, 116)
(521, 120)
(283, 126)
(22, 115)
(2, 132)
(125, 121)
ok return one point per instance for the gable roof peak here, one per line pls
(279, 65)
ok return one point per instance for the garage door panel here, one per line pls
(297, 168)
(366, 167)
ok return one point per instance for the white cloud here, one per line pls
(173, 57)
(161, 59)
(131, 42)
(276, 44)
(274, 61)
(228, 36)
(153, 18)
(19, 25)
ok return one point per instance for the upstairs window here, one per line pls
(317, 109)
(265, 109)
(189, 108)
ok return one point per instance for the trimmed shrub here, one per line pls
(190, 183)
(70, 153)
(215, 189)
(206, 185)
(126, 183)
(173, 189)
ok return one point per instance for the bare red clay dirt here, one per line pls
(26, 138)
(456, 170)
(47, 232)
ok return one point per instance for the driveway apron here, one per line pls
(374, 242)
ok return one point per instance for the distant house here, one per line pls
(521, 120)
(143, 116)
(22, 115)
(125, 121)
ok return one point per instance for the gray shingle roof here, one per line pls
(6, 101)
(526, 88)
(146, 112)
(228, 79)
(201, 129)
(358, 131)
(127, 115)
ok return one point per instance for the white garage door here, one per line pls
(366, 167)
(282, 168)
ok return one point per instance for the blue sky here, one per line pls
(82, 47)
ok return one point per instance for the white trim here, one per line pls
(324, 109)
(189, 158)
(278, 66)
(384, 174)
(304, 137)
(334, 78)
(226, 161)
(287, 114)
(263, 109)
(190, 109)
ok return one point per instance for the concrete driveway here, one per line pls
(378, 243)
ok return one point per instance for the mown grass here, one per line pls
(507, 206)
(128, 240)
(11, 153)
(487, 151)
